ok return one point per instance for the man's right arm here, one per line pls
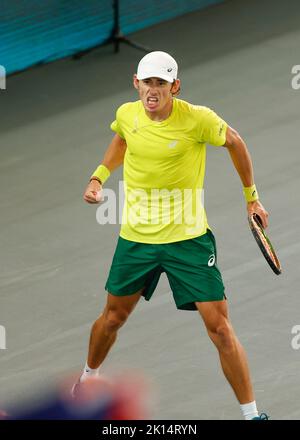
(113, 158)
(114, 155)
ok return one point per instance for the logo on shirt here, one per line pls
(135, 124)
(170, 69)
(221, 129)
(173, 144)
(211, 260)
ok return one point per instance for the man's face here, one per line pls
(155, 93)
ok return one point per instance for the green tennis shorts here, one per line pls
(190, 265)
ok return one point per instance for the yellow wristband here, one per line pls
(102, 173)
(250, 193)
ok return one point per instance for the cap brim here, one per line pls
(155, 75)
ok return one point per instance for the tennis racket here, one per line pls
(264, 243)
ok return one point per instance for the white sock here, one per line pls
(249, 410)
(88, 372)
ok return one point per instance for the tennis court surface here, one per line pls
(236, 58)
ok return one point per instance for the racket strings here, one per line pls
(267, 247)
(266, 243)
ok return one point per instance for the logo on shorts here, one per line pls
(211, 260)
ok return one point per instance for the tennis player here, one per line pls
(161, 142)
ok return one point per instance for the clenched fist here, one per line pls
(93, 192)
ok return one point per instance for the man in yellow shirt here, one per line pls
(161, 142)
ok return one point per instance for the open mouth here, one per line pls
(152, 101)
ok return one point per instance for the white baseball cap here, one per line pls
(159, 65)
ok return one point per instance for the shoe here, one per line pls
(76, 388)
(262, 416)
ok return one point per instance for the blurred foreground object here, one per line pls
(125, 397)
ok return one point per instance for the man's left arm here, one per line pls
(241, 159)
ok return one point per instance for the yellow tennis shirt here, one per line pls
(164, 167)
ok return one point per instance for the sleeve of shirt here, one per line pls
(116, 125)
(213, 128)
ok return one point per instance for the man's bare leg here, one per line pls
(232, 355)
(104, 333)
(105, 328)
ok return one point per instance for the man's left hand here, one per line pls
(257, 208)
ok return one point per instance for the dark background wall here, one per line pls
(34, 31)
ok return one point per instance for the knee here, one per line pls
(223, 336)
(113, 320)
